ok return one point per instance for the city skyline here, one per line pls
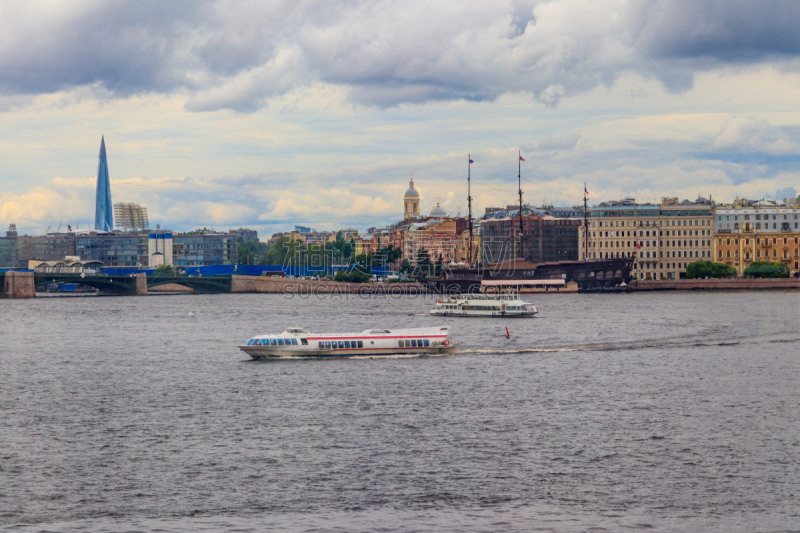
(633, 99)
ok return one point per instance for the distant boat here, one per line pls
(300, 342)
(487, 305)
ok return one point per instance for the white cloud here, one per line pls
(751, 134)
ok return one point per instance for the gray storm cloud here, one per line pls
(390, 53)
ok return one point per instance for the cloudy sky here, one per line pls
(268, 114)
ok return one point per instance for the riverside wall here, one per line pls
(714, 284)
(261, 284)
(18, 285)
(170, 287)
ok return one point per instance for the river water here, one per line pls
(660, 412)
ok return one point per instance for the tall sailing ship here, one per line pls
(518, 273)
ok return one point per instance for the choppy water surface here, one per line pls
(673, 412)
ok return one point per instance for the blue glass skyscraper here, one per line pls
(103, 215)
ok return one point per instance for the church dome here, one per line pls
(438, 211)
(411, 191)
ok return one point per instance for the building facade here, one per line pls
(8, 248)
(246, 234)
(745, 234)
(543, 239)
(204, 248)
(664, 238)
(113, 250)
(50, 247)
(441, 238)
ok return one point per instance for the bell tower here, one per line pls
(411, 201)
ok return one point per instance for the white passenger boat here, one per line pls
(300, 342)
(496, 305)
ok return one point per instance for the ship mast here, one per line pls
(469, 203)
(585, 226)
(521, 235)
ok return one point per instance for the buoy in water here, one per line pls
(192, 314)
(508, 335)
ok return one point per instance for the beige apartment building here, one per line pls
(762, 231)
(663, 238)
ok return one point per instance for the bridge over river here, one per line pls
(24, 284)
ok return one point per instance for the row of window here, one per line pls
(275, 342)
(674, 253)
(758, 241)
(617, 244)
(645, 266)
(758, 217)
(618, 223)
(413, 343)
(341, 345)
(670, 233)
(758, 254)
(785, 226)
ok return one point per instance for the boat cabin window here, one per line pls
(408, 343)
(360, 344)
(304, 342)
(321, 345)
(413, 343)
(341, 344)
(427, 343)
(294, 342)
(347, 344)
(419, 343)
(328, 345)
(250, 342)
(400, 343)
(280, 342)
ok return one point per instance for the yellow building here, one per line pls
(760, 232)
(664, 238)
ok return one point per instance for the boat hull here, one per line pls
(267, 352)
(481, 314)
(301, 343)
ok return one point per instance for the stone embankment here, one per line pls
(714, 284)
(263, 284)
(170, 287)
(18, 285)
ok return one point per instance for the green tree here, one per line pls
(423, 261)
(766, 269)
(245, 255)
(388, 254)
(709, 269)
(348, 247)
(405, 266)
(351, 276)
(363, 262)
(422, 257)
(165, 270)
